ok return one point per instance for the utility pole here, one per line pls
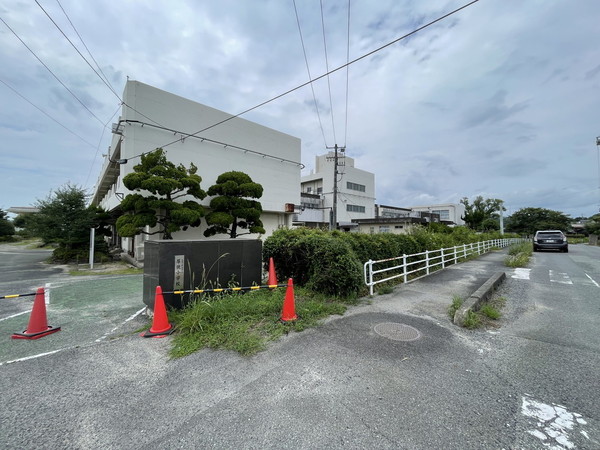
(333, 219)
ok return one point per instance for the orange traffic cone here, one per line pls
(38, 324)
(160, 323)
(272, 282)
(289, 310)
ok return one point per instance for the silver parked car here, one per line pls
(550, 240)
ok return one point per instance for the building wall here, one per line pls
(355, 201)
(269, 157)
(448, 211)
(395, 228)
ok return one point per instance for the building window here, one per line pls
(319, 190)
(355, 208)
(309, 190)
(399, 226)
(444, 213)
(372, 230)
(356, 186)
(384, 229)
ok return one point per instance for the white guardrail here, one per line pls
(431, 259)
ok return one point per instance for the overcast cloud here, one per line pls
(500, 99)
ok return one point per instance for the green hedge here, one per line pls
(332, 262)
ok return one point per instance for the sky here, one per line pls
(500, 99)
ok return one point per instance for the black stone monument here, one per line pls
(186, 265)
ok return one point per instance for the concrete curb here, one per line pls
(478, 297)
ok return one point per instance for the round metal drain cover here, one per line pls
(397, 331)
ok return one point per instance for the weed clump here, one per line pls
(457, 302)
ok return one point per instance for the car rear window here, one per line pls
(550, 235)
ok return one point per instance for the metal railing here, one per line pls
(430, 260)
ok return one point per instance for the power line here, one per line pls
(366, 55)
(98, 146)
(184, 136)
(52, 73)
(327, 69)
(86, 47)
(309, 75)
(106, 82)
(45, 113)
(347, 77)
(75, 47)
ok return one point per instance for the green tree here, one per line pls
(232, 208)
(64, 219)
(592, 226)
(7, 228)
(478, 214)
(166, 182)
(530, 220)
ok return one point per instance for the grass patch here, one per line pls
(385, 290)
(490, 312)
(519, 254)
(472, 320)
(246, 322)
(108, 271)
(457, 302)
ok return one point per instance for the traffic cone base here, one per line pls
(39, 334)
(158, 334)
(38, 324)
(160, 323)
(289, 308)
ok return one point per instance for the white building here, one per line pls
(450, 213)
(152, 118)
(355, 192)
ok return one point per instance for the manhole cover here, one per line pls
(397, 331)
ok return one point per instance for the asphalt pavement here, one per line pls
(393, 372)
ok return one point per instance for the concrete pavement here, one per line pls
(348, 383)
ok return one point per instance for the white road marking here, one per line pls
(521, 274)
(14, 315)
(559, 277)
(553, 423)
(133, 316)
(592, 280)
(34, 356)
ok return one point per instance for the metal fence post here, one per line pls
(443, 262)
(427, 261)
(404, 268)
(369, 278)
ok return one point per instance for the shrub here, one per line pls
(319, 260)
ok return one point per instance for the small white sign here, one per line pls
(179, 272)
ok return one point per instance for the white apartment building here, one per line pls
(450, 213)
(152, 118)
(355, 192)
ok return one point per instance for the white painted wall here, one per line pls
(455, 211)
(323, 177)
(278, 173)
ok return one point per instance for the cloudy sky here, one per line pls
(501, 99)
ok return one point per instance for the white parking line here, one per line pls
(559, 277)
(133, 316)
(521, 274)
(34, 356)
(14, 315)
(592, 280)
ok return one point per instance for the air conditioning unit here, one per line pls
(289, 208)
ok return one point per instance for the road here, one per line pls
(550, 349)
(22, 271)
(531, 383)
